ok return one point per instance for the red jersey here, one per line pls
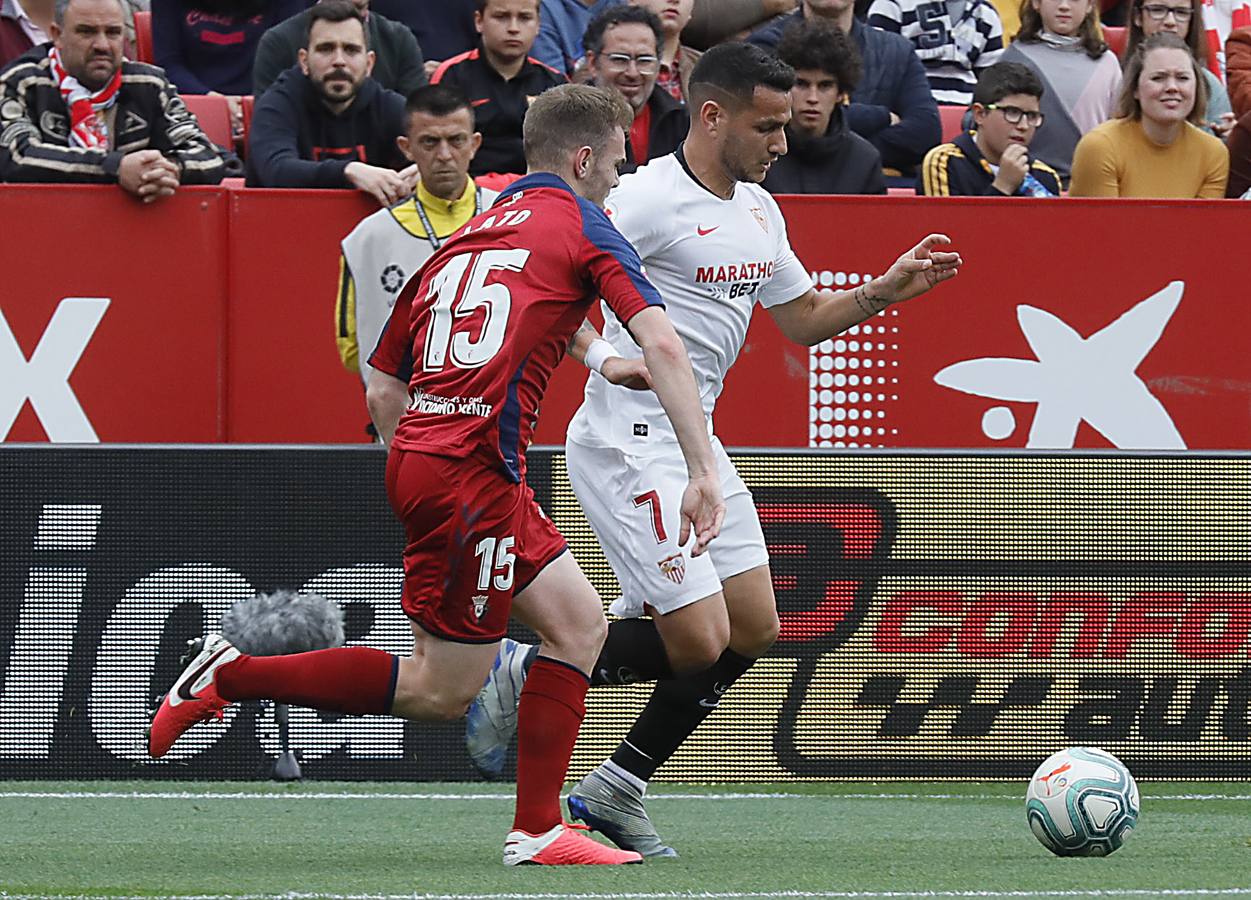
(478, 334)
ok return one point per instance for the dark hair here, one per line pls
(334, 11)
(623, 14)
(481, 5)
(1005, 79)
(59, 8)
(1196, 37)
(816, 44)
(1130, 107)
(1090, 32)
(439, 100)
(569, 116)
(732, 72)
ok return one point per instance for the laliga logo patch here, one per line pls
(479, 605)
(392, 279)
(673, 567)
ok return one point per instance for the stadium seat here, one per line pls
(901, 192)
(213, 114)
(143, 37)
(1115, 38)
(951, 117)
(249, 106)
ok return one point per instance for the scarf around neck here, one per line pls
(1061, 41)
(87, 129)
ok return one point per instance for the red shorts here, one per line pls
(472, 540)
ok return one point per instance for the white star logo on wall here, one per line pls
(1076, 379)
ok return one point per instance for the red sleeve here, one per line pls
(394, 353)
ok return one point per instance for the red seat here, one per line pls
(143, 37)
(1115, 38)
(213, 114)
(249, 106)
(951, 117)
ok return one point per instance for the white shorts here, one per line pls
(633, 504)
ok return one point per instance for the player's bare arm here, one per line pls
(819, 315)
(590, 349)
(703, 507)
(386, 397)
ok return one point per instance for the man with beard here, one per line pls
(328, 124)
(622, 54)
(398, 65)
(73, 111)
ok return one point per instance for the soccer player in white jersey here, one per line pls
(714, 243)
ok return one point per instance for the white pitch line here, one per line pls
(361, 795)
(671, 895)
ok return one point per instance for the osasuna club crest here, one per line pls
(673, 567)
(479, 605)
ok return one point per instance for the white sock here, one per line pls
(628, 777)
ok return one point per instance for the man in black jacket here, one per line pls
(892, 104)
(73, 111)
(622, 54)
(399, 65)
(823, 155)
(327, 124)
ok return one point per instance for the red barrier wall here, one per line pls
(1075, 323)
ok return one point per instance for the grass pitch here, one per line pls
(338, 840)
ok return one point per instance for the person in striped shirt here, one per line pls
(956, 40)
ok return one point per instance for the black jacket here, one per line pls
(35, 127)
(667, 130)
(893, 81)
(838, 162)
(499, 106)
(958, 169)
(398, 66)
(295, 141)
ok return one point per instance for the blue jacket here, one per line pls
(893, 80)
(561, 26)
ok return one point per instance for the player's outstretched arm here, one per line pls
(819, 315)
(588, 348)
(703, 507)
(386, 397)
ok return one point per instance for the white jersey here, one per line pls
(712, 260)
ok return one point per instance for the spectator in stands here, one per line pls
(23, 24)
(398, 68)
(207, 46)
(501, 78)
(956, 40)
(676, 59)
(1183, 18)
(1240, 159)
(443, 28)
(66, 108)
(1154, 148)
(823, 155)
(386, 248)
(622, 46)
(892, 105)
(327, 123)
(994, 159)
(1061, 40)
(1238, 70)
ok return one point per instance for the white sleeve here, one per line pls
(790, 279)
(635, 215)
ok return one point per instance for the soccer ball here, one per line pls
(1082, 802)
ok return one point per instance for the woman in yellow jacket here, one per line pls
(1154, 148)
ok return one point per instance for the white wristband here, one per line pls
(599, 353)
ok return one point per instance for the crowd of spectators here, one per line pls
(316, 91)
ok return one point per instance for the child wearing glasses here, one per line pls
(994, 159)
(1061, 40)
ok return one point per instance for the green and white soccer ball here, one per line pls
(1082, 802)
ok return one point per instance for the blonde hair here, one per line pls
(569, 116)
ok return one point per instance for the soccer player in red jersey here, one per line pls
(491, 316)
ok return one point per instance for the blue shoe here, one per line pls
(492, 719)
(615, 809)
